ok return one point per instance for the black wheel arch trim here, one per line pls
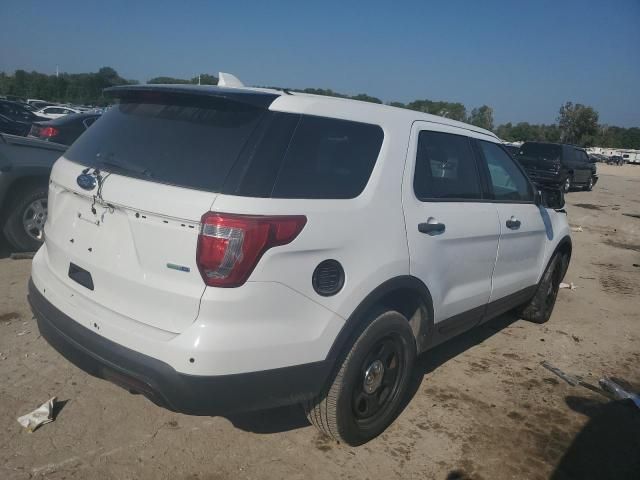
(358, 317)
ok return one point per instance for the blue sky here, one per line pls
(523, 58)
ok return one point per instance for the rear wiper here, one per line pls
(124, 167)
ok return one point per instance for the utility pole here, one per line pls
(198, 79)
(57, 71)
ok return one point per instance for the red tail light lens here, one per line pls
(48, 132)
(230, 246)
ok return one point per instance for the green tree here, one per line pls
(482, 117)
(366, 98)
(578, 124)
(454, 111)
(169, 80)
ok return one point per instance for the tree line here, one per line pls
(576, 123)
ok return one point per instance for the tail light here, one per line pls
(47, 132)
(230, 246)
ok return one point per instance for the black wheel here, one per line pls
(568, 183)
(589, 186)
(26, 215)
(539, 308)
(366, 393)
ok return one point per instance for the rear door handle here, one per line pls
(431, 227)
(513, 223)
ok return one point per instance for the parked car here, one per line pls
(616, 160)
(39, 104)
(25, 164)
(226, 249)
(16, 119)
(559, 165)
(512, 149)
(56, 111)
(63, 130)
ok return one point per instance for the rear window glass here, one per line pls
(541, 150)
(328, 158)
(175, 139)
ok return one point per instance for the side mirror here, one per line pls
(550, 198)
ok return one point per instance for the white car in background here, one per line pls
(55, 111)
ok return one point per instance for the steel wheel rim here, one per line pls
(34, 218)
(567, 184)
(369, 404)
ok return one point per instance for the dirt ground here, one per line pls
(482, 406)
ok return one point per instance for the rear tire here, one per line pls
(589, 186)
(568, 183)
(540, 307)
(367, 392)
(26, 214)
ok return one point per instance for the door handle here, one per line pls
(431, 227)
(513, 223)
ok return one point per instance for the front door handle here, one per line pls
(513, 223)
(431, 227)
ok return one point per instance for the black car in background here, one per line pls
(15, 118)
(557, 165)
(64, 130)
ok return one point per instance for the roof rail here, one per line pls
(228, 80)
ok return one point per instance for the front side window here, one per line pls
(507, 181)
(445, 168)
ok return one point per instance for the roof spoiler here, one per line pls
(228, 80)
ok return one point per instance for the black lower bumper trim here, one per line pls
(163, 385)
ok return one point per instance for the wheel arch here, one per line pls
(18, 184)
(406, 294)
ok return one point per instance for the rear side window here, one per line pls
(507, 181)
(328, 158)
(542, 151)
(445, 168)
(189, 141)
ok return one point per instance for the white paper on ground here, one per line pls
(570, 286)
(41, 415)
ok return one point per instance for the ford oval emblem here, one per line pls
(86, 181)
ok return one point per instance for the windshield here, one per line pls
(181, 140)
(543, 151)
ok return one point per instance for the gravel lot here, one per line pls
(482, 406)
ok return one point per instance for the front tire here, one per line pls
(367, 391)
(26, 215)
(540, 307)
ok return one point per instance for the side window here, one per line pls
(328, 158)
(445, 167)
(508, 182)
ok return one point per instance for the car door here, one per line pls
(585, 166)
(523, 229)
(452, 230)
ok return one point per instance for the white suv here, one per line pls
(225, 249)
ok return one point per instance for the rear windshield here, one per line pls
(542, 151)
(190, 142)
(219, 145)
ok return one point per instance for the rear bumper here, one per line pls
(162, 384)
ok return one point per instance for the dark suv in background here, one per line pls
(556, 164)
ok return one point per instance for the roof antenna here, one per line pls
(228, 80)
